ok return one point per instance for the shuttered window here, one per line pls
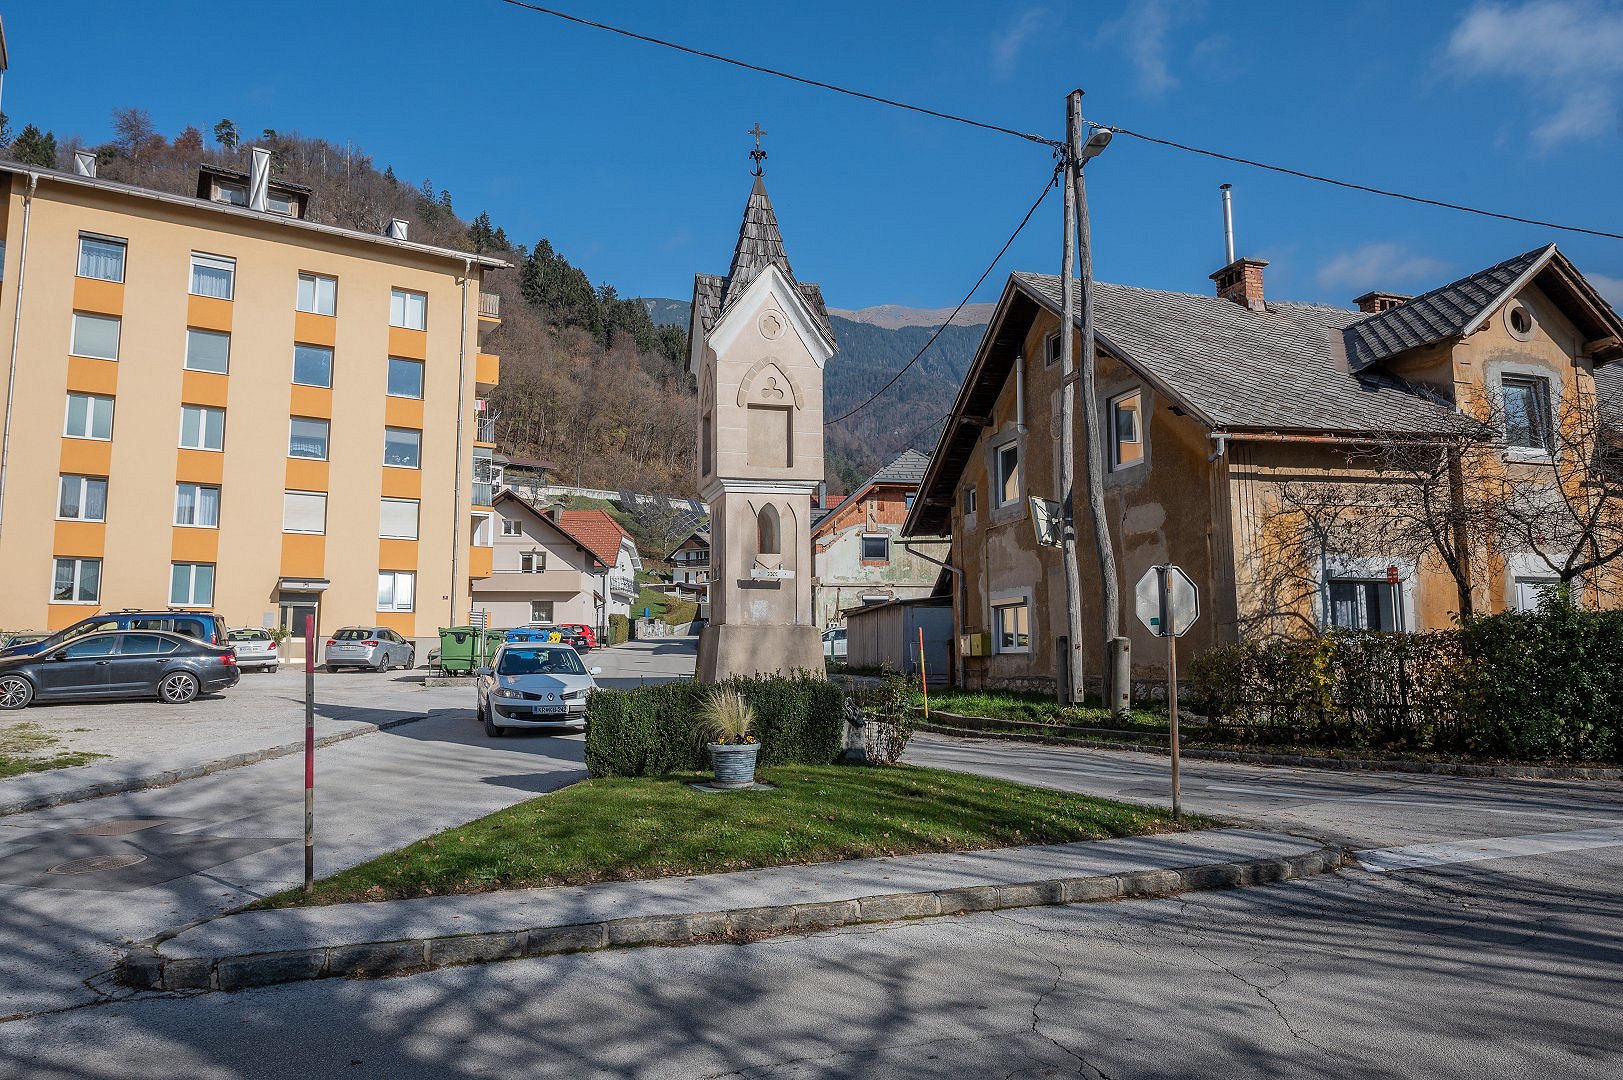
(399, 519)
(304, 512)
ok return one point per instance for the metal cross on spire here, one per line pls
(757, 155)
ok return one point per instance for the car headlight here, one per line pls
(506, 692)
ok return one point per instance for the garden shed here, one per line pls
(887, 635)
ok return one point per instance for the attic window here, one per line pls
(227, 192)
(1051, 349)
(1519, 321)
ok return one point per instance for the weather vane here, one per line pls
(757, 155)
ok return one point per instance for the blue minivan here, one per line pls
(205, 626)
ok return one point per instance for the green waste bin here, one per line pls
(459, 646)
(493, 641)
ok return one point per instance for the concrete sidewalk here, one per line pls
(262, 947)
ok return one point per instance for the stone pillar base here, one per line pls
(728, 649)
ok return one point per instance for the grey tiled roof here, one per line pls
(1609, 381)
(1440, 314)
(1280, 369)
(908, 468)
(760, 244)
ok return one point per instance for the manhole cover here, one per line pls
(96, 864)
(120, 827)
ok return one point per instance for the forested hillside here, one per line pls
(590, 383)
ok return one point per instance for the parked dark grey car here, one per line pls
(171, 667)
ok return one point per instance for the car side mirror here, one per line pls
(485, 671)
(59, 656)
(595, 671)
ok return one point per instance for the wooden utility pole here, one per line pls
(1071, 687)
(1115, 668)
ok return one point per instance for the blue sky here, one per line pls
(632, 159)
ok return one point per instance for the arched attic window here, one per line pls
(768, 534)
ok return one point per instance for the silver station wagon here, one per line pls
(374, 647)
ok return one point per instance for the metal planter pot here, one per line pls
(734, 763)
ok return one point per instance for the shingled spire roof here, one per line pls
(760, 245)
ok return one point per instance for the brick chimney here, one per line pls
(1241, 281)
(1375, 302)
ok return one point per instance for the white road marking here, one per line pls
(1415, 856)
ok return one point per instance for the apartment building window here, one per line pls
(202, 427)
(82, 498)
(213, 276)
(304, 512)
(197, 505)
(1531, 591)
(541, 611)
(402, 447)
(191, 584)
(1008, 473)
(77, 581)
(408, 310)
(312, 365)
(1012, 623)
(532, 562)
(399, 521)
(1127, 430)
(90, 416)
(95, 336)
(512, 527)
(395, 589)
(876, 548)
(207, 350)
(318, 295)
(101, 257)
(307, 438)
(1527, 412)
(405, 377)
(1365, 604)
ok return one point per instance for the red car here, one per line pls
(584, 631)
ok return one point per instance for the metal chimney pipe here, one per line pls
(1228, 224)
(84, 162)
(259, 180)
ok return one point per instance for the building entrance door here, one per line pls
(294, 608)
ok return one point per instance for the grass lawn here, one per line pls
(672, 610)
(622, 829)
(1041, 709)
(26, 748)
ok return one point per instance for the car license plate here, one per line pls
(548, 710)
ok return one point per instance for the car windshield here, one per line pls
(355, 634)
(539, 662)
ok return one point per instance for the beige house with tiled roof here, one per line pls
(1212, 409)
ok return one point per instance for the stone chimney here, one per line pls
(1241, 281)
(1375, 302)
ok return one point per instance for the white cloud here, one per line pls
(1007, 45)
(1142, 31)
(1568, 53)
(1609, 287)
(1382, 266)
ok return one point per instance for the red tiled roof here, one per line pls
(596, 529)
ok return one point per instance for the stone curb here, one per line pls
(146, 968)
(191, 772)
(1306, 761)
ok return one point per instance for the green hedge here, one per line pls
(653, 730)
(1543, 685)
(619, 629)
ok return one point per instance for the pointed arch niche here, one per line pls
(770, 399)
(707, 424)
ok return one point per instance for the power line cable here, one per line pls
(1351, 186)
(783, 74)
(1052, 180)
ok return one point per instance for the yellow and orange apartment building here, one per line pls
(215, 403)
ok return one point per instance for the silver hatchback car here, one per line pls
(255, 648)
(375, 647)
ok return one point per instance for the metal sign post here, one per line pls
(1168, 603)
(309, 751)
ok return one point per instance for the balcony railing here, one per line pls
(483, 493)
(490, 305)
(484, 431)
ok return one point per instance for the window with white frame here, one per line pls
(1365, 604)
(969, 500)
(213, 276)
(1007, 461)
(304, 512)
(191, 584)
(76, 581)
(318, 294)
(207, 350)
(101, 257)
(405, 377)
(532, 562)
(202, 427)
(90, 416)
(95, 336)
(82, 498)
(402, 447)
(312, 365)
(399, 519)
(1051, 349)
(395, 590)
(512, 527)
(541, 611)
(1011, 626)
(1531, 591)
(1528, 420)
(875, 547)
(1127, 430)
(197, 505)
(408, 309)
(307, 437)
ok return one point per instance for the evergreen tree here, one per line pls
(225, 134)
(480, 234)
(388, 174)
(35, 147)
(445, 203)
(5, 129)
